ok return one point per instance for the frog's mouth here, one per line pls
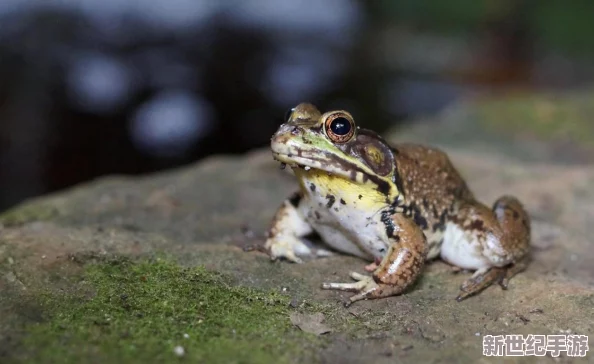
(305, 162)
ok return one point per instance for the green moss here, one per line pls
(138, 312)
(27, 212)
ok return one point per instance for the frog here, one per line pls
(398, 206)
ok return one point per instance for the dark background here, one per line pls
(89, 88)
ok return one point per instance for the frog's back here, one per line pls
(432, 187)
(427, 173)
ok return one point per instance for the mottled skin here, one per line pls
(397, 206)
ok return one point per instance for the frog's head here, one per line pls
(310, 142)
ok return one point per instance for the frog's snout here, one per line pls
(286, 133)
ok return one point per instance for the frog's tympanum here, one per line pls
(396, 206)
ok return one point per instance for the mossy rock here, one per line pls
(156, 310)
(116, 269)
(27, 212)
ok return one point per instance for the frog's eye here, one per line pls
(340, 127)
(288, 114)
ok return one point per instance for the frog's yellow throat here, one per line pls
(365, 192)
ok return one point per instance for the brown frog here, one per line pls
(396, 206)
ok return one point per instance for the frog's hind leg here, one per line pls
(286, 229)
(493, 242)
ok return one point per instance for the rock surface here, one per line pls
(205, 214)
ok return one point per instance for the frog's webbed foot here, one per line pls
(365, 287)
(480, 280)
(483, 278)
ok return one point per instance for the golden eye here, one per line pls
(340, 127)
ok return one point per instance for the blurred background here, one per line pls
(90, 88)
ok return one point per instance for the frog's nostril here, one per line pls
(295, 130)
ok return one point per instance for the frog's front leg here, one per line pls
(286, 229)
(494, 242)
(398, 269)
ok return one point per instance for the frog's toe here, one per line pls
(480, 280)
(349, 287)
(364, 287)
(362, 282)
(358, 276)
(514, 269)
(323, 253)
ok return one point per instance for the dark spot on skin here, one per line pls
(426, 205)
(342, 201)
(336, 209)
(405, 210)
(396, 238)
(383, 187)
(440, 225)
(435, 213)
(477, 225)
(294, 199)
(397, 203)
(398, 181)
(331, 200)
(525, 223)
(388, 222)
(306, 141)
(353, 175)
(421, 221)
(317, 215)
(516, 214)
(412, 210)
(360, 197)
(290, 155)
(312, 187)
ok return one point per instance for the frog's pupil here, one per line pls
(340, 126)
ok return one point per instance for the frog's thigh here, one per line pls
(473, 240)
(463, 248)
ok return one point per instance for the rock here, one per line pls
(210, 213)
(311, 323)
